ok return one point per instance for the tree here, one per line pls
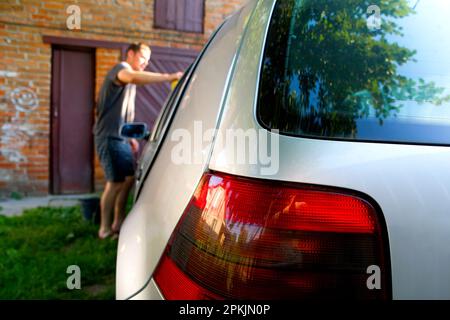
(334, 69)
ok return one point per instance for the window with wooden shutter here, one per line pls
(181, 15)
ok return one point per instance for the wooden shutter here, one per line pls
(171, 14)
(165, 14)
(182, 15)
(194, 16)
(159, 15)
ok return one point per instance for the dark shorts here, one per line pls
(116, 158)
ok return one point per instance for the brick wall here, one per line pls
(25, 67)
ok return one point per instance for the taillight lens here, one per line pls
(243, 238)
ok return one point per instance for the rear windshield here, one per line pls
(358, 70)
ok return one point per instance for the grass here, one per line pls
(16, 195)
(37, 247)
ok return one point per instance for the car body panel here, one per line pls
(410, 183)
(147, 228)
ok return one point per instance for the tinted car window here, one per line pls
(170, 105)
(337, 69)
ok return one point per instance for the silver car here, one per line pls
(304, 155)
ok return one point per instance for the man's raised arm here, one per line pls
(145, 77)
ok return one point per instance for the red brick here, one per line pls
(31, 58)
(54, 5)
(41, 17)
(8, 165)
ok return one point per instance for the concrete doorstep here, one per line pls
(12, 207)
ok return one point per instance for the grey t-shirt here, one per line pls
(115, 104)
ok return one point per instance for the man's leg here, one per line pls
(107, 203)
(121, 202)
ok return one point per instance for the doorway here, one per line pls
(72, 119)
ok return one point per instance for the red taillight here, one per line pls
(241, 238)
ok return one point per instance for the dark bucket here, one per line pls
(90, 208)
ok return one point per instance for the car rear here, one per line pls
(349, 195)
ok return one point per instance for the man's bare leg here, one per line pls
(107, 203)
(121, 202)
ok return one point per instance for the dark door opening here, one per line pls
(72, 119)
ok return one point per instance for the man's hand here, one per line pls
(176, 76)
(134, 146)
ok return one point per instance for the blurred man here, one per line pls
(115, 107)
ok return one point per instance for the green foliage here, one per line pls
(37, 248)
(16, 195)
(343, 69)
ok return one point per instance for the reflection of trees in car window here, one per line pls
(324, 68)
